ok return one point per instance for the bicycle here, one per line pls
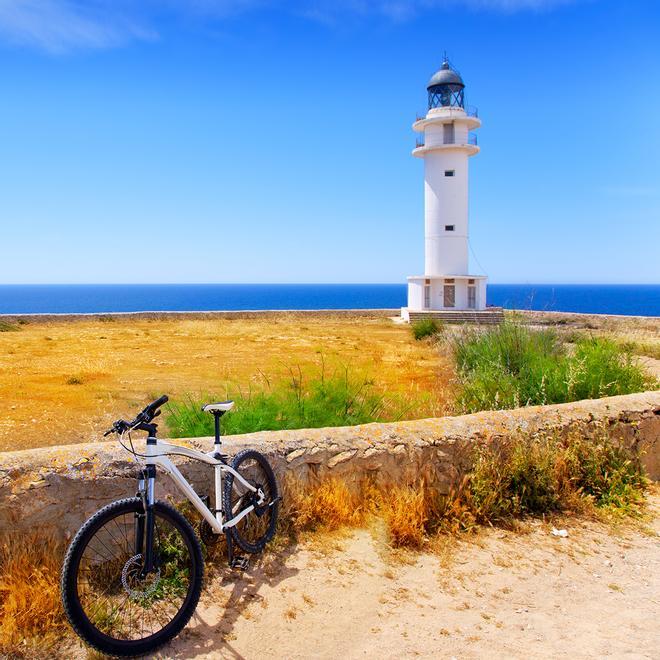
(132, 575)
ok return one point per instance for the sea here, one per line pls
(626, 299)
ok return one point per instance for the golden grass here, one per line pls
(406, 511)
(31, 615)
(328, 506)
(66, 381)
(333, 504)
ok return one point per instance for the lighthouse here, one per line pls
(446, 290)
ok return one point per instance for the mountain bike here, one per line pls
(132, 575)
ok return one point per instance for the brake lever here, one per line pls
(121, 426)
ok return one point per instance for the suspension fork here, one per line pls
(140, 515)
(144, 528)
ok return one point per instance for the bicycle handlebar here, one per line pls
(154, 405)
(144, 417)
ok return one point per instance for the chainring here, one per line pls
(206, 533)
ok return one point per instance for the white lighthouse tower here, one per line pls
(446, 290)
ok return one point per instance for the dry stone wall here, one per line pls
(57, 488)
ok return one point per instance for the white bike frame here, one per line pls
(158, 455)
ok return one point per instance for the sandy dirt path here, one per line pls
(502, 594)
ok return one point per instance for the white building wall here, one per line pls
(436, 294)
(445, 203)
(461, 294)
(481, 294)
(416, 295)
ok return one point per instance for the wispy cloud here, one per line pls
(402, 10)
(63, 25)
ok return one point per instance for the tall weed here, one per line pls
(338, 399)
(512, 365)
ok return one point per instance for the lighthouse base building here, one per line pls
(447, 290)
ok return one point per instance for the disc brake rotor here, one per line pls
(131, 572)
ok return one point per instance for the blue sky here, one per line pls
(265, 141)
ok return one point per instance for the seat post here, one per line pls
(217, 414)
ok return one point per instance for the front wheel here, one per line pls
(107, 599)
(253, 531)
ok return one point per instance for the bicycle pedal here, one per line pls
(241, 563)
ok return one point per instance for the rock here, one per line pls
(295, 454)
(341, 458)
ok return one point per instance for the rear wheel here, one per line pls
(107, 600)
(253, 531)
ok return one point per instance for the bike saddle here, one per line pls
(220, 406)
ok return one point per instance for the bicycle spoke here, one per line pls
(255, 525)
(114, 596)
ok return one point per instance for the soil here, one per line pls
(496, 594)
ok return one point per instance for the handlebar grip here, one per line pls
(154, 405)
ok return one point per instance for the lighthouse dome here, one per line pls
(445, 75)
(445, 89)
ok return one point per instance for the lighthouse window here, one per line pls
(427, 296)
(449, 295)
(449, 172)
(449, 227)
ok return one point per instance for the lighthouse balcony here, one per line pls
(471, 139)
(467, 142)
(446, 115)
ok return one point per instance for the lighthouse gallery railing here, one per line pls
(471, 139)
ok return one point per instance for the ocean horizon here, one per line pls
(620, 299)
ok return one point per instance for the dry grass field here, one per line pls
(64, 381)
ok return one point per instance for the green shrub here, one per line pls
(340, 399)
(6, 326)
(516, 477)
(601, 367)
(425, 328)
(604, 472)
(512, 365)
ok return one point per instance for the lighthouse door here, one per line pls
(449, 295)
